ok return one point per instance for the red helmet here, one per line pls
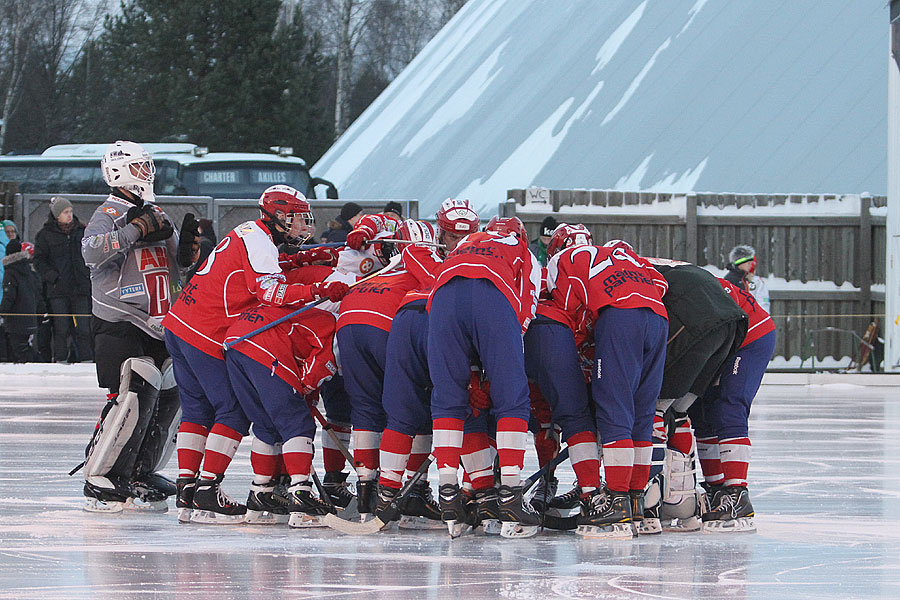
(416, 231)
(457, 216)
(296, 217)
(508, 226)
(566, 235)
(619, 244)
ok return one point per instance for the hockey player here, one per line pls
(721, 420)
(624, 296)
(483, 300)
(242, 272)
(705, 327)
(553, 364)
(365, 320)
(274, 374)
(406, 441)
(130, 247)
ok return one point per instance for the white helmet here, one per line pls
(127, 165)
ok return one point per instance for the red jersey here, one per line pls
(505, 261)
(300, 350)
(425, 264)
(239, 274)
(375, 302)
(596, 277)
(760, 323)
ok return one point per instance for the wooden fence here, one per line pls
(831, 259)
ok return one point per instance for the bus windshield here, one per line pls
(237, 180)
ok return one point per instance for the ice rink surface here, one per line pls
(824, 482)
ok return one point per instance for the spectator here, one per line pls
(21, 287)
(742, 273)
(393, 209)
(59, 262)
(343, 224)
(12, 232)
(538, 245)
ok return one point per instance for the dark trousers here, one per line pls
(78, 328)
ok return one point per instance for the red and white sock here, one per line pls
(366, 446)
(618, 461)
(585, 459)
(683, 437)
(448, 440)
(221, 444)
(421, 448)
(511, 439)
(640, 471)
(332, 458)
(263, 461)
(735, 456)
(190, 443)
(394, 455)
(478, 460)
(298, 456)
(708, 453)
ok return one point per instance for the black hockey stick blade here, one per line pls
(560, 523)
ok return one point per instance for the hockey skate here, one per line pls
(453, 510)
(730, 510)
(564, 504)
(102, 499)
(151, 491)
(605, 514)
(306, 510)
(518, 518)
(184, 497)
(651, 524)
(265, 507)
(637, 510)
(340, 492)
(544, 494)
(212, 505)
(419, 510)
(488, 510)
(366, 498)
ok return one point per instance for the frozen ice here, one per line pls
(824, 482)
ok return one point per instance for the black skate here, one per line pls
(265, 507)
(419, 510)
(152, 490)
(518, 518)
(563, 505)
(730, 510)
(184, 497)
(366, 497)
(488, 510)
(544, 493)
(335, 484)
(637, 510)
(453, 510)
(306, 510)
(103, 499)
(212, 505)
(386, 495)
(605, 514)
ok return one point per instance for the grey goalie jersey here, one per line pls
(131, 280)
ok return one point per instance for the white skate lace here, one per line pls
(223, 499)
(727, 503)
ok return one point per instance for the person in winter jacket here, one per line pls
(538, 246)
(21, 297)
(742, 273)
(59, 262)
(343, 224)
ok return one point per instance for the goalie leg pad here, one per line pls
(680, 509)
(159, 440)
(119, 436)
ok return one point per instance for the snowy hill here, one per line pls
(707, 95)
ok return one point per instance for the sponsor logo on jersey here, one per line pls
(129, 291)
(152, 259)
(366, 265)
(111, 211)
(97, 241)
(114, 239)
(244, 229)
(268, 280)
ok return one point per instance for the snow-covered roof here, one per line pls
(707, 95)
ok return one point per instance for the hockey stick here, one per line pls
(533, 479)
(387, 515)
(395, 260)
(327, 428)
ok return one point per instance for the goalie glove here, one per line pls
(188, 242)
(151, 221)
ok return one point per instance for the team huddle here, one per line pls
(421, 344)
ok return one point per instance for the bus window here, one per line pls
(240, 181)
